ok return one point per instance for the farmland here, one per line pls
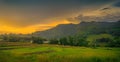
(9, 52)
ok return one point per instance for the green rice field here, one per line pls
(57, 53)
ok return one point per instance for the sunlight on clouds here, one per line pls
(92, 13)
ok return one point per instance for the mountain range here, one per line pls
(83, 28)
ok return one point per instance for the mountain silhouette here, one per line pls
(83, 28)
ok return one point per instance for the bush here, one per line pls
(37, 40)
(54, 41)
(99, 40)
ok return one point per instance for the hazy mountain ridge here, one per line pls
(63, 30)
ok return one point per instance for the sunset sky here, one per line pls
(27, 16)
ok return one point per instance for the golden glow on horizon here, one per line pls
(30, 29)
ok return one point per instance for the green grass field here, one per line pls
(57, 53)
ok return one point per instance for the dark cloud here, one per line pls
(117, 4)
(31, 12)
(106, 18)
(105, 8)
(54, 1)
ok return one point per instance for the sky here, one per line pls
(27, 16)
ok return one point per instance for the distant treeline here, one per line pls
(21, 38)
(98, 40)
(95, 40)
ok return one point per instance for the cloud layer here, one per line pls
(105, 16)
(27, 13)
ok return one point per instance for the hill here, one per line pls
(83, 28)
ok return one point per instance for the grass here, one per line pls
(57, 53)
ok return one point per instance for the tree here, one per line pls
(99, 40)
(71, 41)
(82, 42)
(64, 41)
(37, 40)
(115, 43)
(10, 38)
(54, 41)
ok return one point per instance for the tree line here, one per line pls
(21, 38)
(95, 40)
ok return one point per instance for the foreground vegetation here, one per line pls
(57, 53)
